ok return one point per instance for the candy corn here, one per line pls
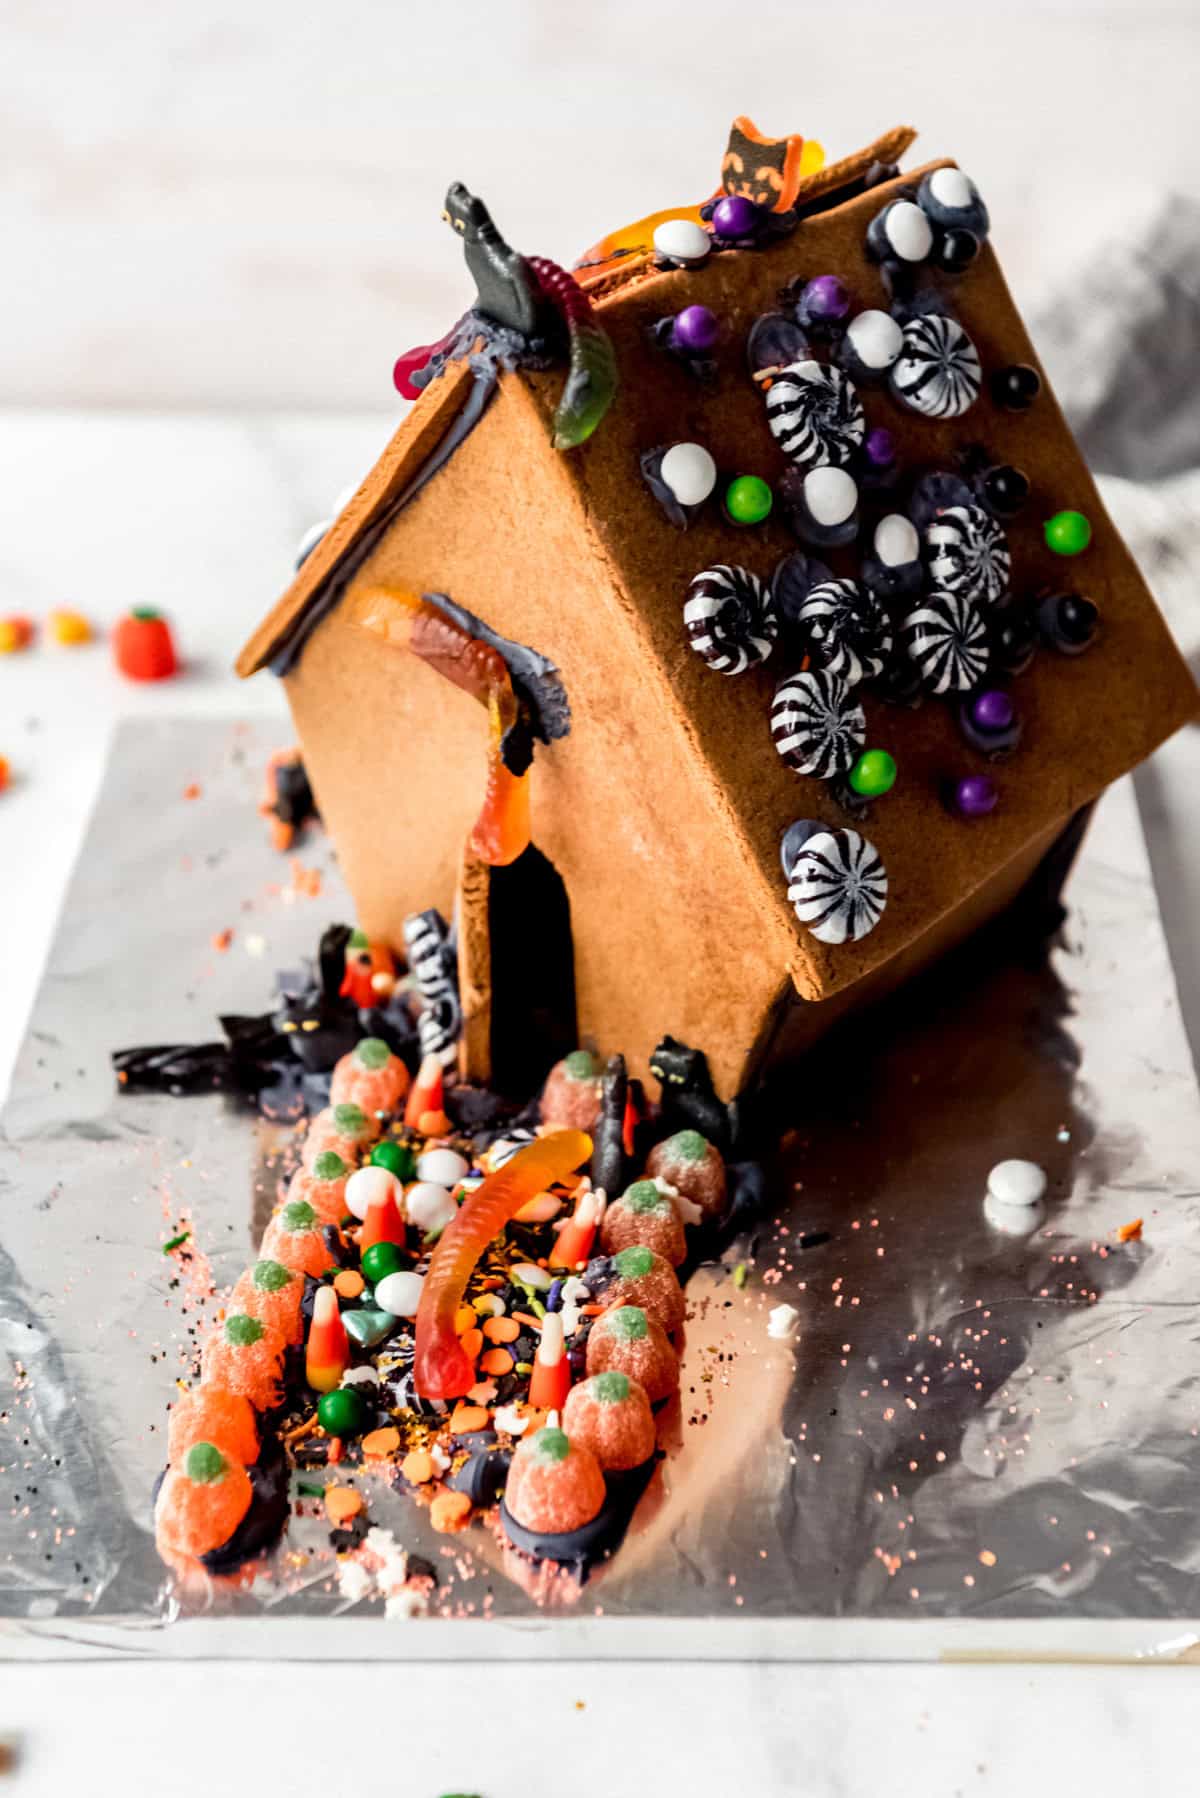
(383, 1222)
(551, 1379)
(327, 1352)
(575, 1239)
(427, 1092)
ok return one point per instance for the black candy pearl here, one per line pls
(1013, 639)
(1016, 387)
(955, 250)
(1004, 490)
(1068, 622)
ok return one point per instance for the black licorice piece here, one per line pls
(608, 1153)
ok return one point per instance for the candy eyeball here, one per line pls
(900, 233)
(681, 241)
(822, 506)
(690, 472)
(893, 569)
(951, 199)
(871, 345)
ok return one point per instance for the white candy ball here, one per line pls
(400, 1293)
(875, 338)
(367, 1184)
(444, 1166)
(908, 231)
(1017, 1183)
(830, 495)
(690, 472)
(950, 187)
(1013, 1220)
(429, 1206)
(896, 541)
(682, 241)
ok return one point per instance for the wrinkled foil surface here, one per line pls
(978, 1443)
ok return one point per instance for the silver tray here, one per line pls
(979, 1444)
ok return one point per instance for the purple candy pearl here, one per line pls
(695, 328)
(825, 297)
(880, 444)
(734, 216)
(975, 796)
(992, 710)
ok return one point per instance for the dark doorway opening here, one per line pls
(533, 1022)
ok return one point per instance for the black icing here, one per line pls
(593, 1541)
(266, 1516)
(535, 680)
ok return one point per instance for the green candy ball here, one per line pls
(748, 499)
(395, 1158)
(1068, 533)
(873, 774)
(340, 1413)
(380, 1260)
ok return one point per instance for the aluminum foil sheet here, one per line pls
(978, 1443)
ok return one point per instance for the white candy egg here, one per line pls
(445, 1166)
(875, 338)
(682, 240)
(950, 187)
(690, 472)
(535, 1277)
(400, 1293)
(896, 541)
(367, 1184)
(830, 495)
(1017, 1183)
(429, 1206)
(908, 231)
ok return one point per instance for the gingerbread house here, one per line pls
(830, 572)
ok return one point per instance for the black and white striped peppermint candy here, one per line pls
(947, 639)
(816, 725)
(816, 415)
(838, 886)
(730, 619)
(967, 552)
(847, 630)
(937, 371)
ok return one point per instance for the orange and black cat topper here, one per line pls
(763, 169)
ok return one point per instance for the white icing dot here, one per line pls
(690, 472)
(367, 1184)
(400, 1293)
(876, 338)
(682, 240)
(950, 187)
(1017, 1183)
(896, 541)
(429, 1207)
(908, 231)
(830, 495)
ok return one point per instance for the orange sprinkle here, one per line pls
(466, 1418)
(417, 1466)
(222, 940)
(592, 1310)
(378, 1444)
(502, 1329)
(472, 1343)
(1130, 1232)
(337, 1449)
(342, 1503)
(464, 1319)
(450, 1512)
(483, 1393)
(193, 790)
(348, 1283)
(497, 1361)
(523, 1318)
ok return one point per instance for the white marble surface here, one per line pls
(201, 515)
(228, 205)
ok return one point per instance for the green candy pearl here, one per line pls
(748, 499)
(395, 1158)
(873, 774)
(340, 1413)
(1068, 533)
(380, 1260)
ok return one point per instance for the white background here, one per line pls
(218, 226)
